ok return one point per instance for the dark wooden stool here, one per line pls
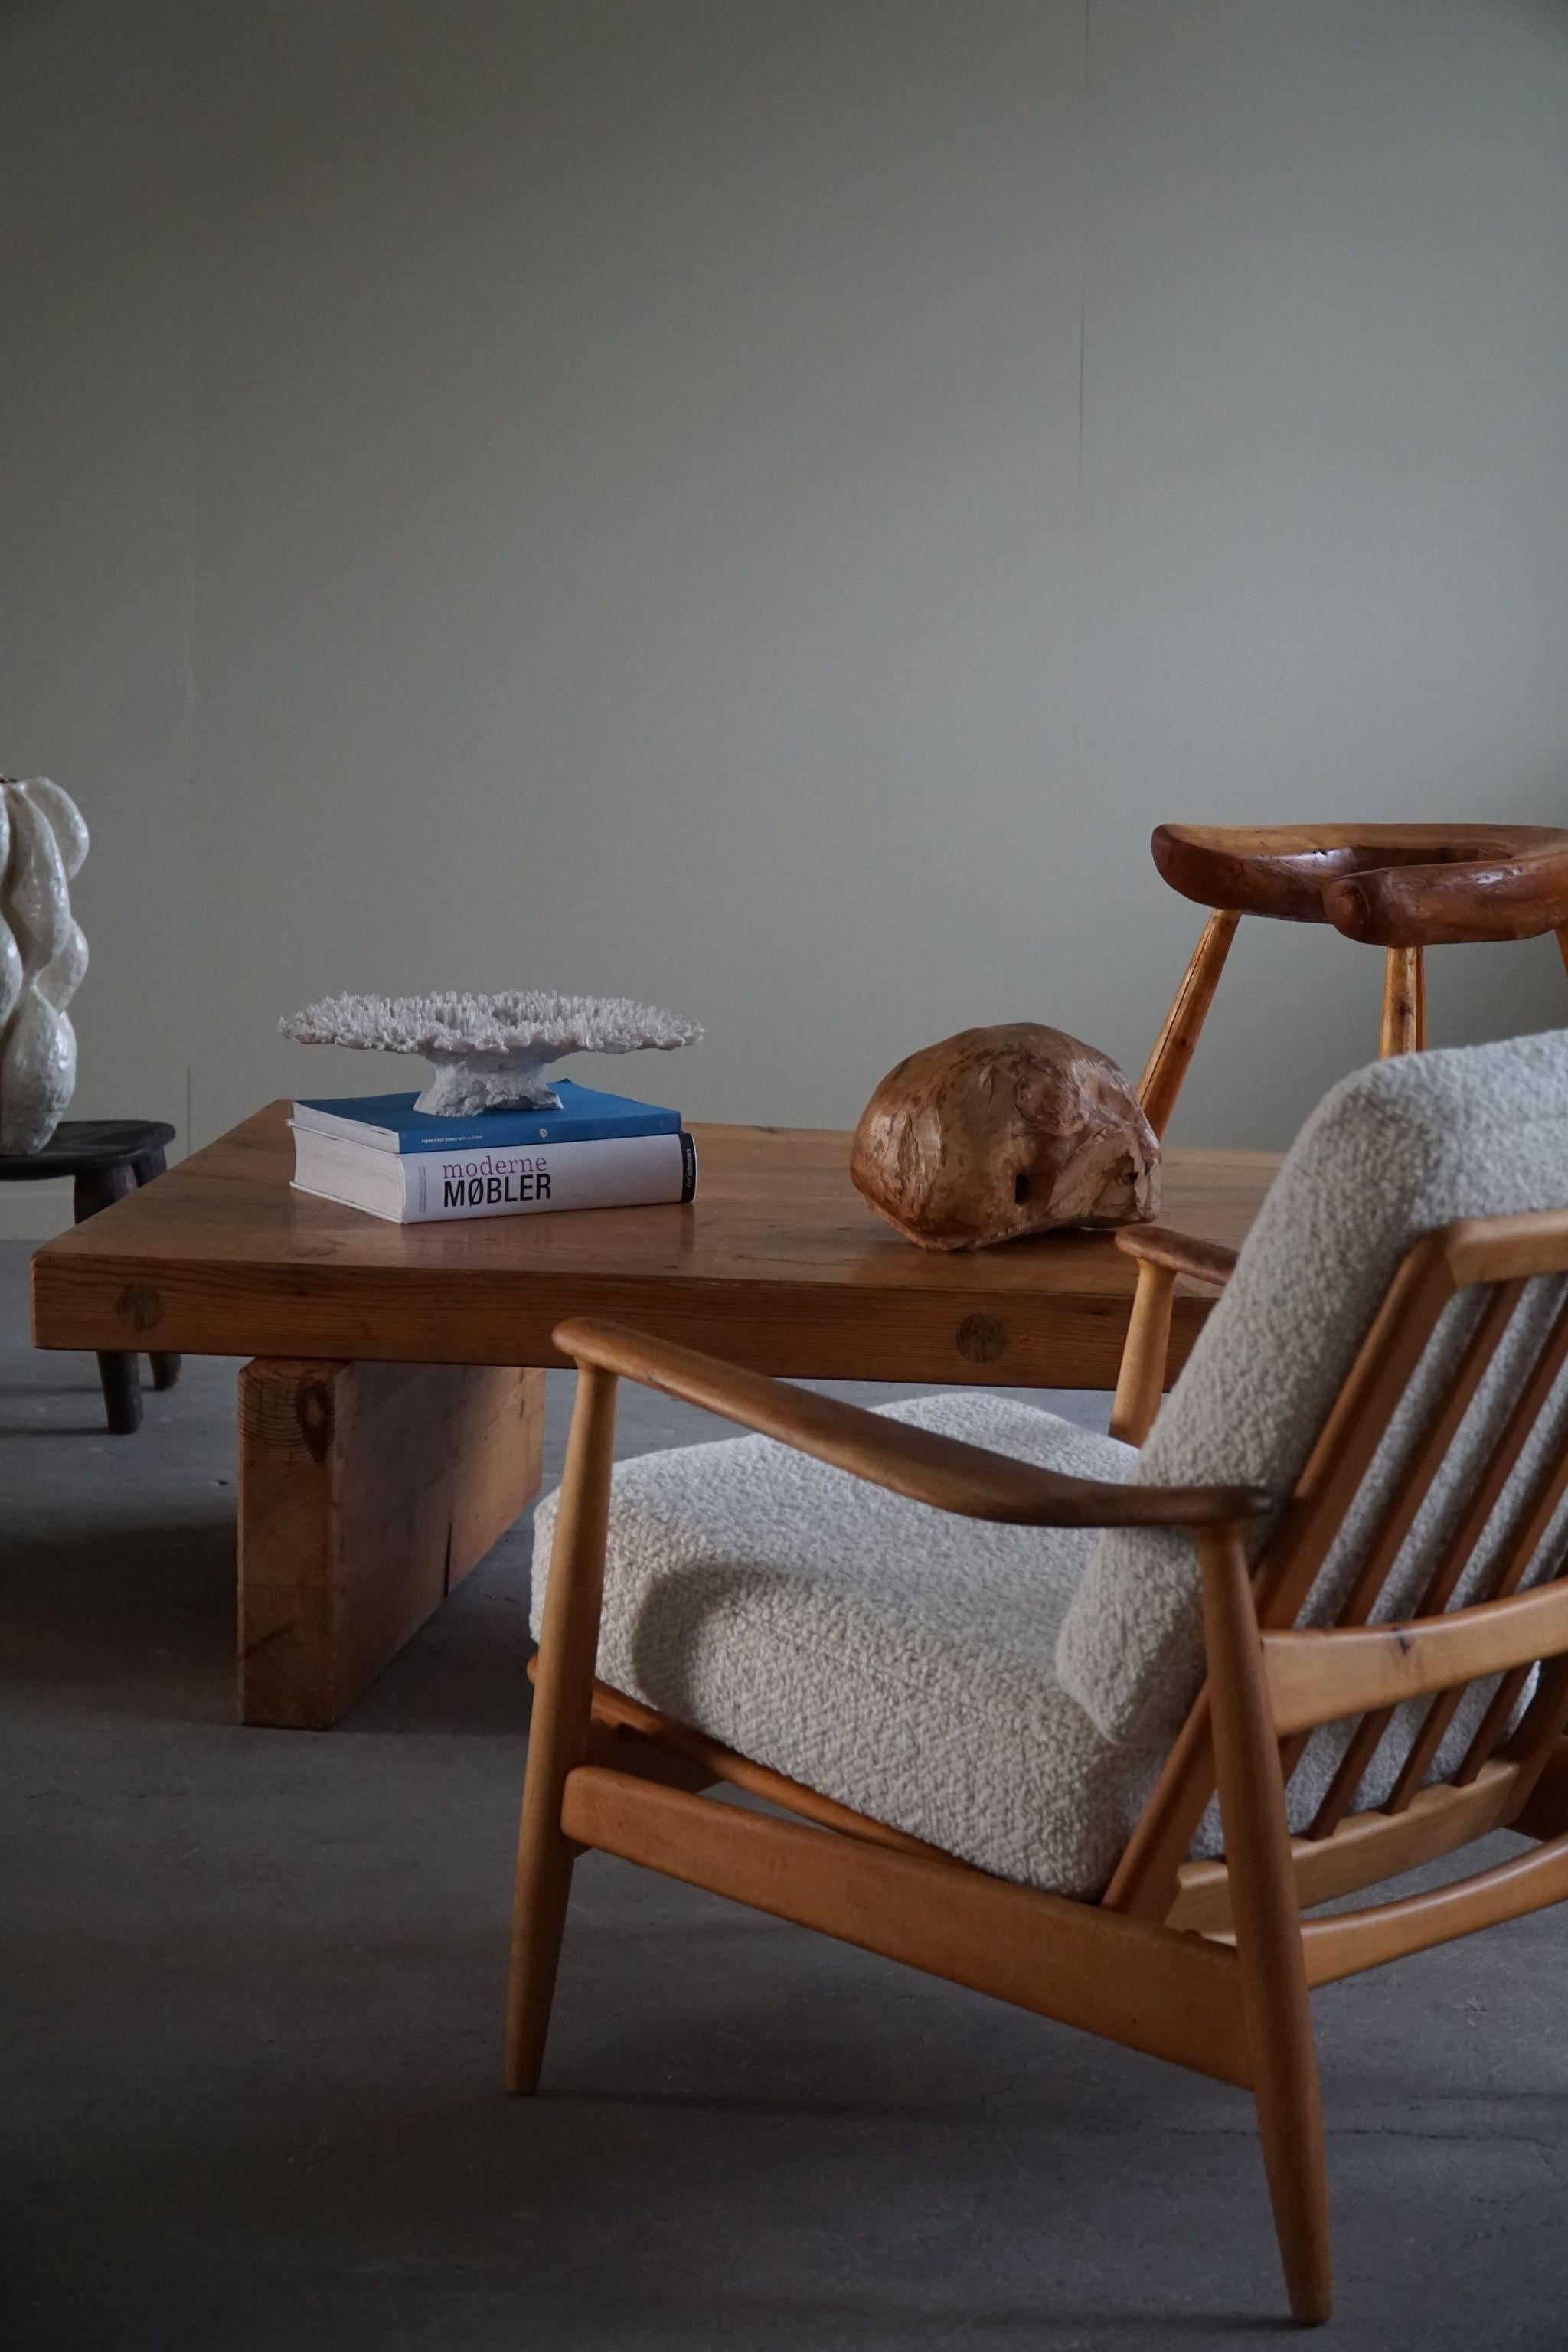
(1401, 888)
(107, 1158)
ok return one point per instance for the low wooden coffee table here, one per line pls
(390, 1422)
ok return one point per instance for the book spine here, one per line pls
(625, 1173)
(545, 1129)
(504, 1131)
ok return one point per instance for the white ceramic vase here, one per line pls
(43, 956)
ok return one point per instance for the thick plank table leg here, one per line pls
(365, 1492)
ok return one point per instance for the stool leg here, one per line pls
(165, 1367)
(122, 1393)
(1167, 1064)
(95, 1189)
(1404, 1003)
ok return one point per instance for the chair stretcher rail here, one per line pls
(1173, 1996)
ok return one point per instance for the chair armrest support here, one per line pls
(1213, 1262)
(918, 1463)
(1161, 1255)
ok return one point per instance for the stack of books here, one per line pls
(378, 1153)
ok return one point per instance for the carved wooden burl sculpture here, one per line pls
(1003, 1131)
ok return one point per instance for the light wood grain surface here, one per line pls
(366, 1492)
(777, 1263)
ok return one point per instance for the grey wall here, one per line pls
(762, 503)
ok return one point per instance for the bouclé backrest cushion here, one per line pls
(1393, 1153)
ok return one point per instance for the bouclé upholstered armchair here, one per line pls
(1092, 1728)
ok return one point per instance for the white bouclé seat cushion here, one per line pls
(889, 1655)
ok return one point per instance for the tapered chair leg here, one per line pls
(558, 1737)
(1268, 1928)
(1291, 2127)
(1404, 1003)
(1167, 1064)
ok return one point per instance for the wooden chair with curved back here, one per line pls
(1402, 887)
(1384, 1616)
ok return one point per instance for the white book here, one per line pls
(424, 1187)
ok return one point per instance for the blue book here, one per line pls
(391, 1123)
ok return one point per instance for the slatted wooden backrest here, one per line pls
(1356, 1670)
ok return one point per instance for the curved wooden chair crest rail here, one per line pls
(1208, 1963)
(1402, 887)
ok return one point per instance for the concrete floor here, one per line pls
(252, 1990)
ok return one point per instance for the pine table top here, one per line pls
(777, 1263)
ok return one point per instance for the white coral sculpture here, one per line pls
(43, 956)
(489, 1051)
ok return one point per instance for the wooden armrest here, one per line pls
(917, 1463)
(1182, 1253)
